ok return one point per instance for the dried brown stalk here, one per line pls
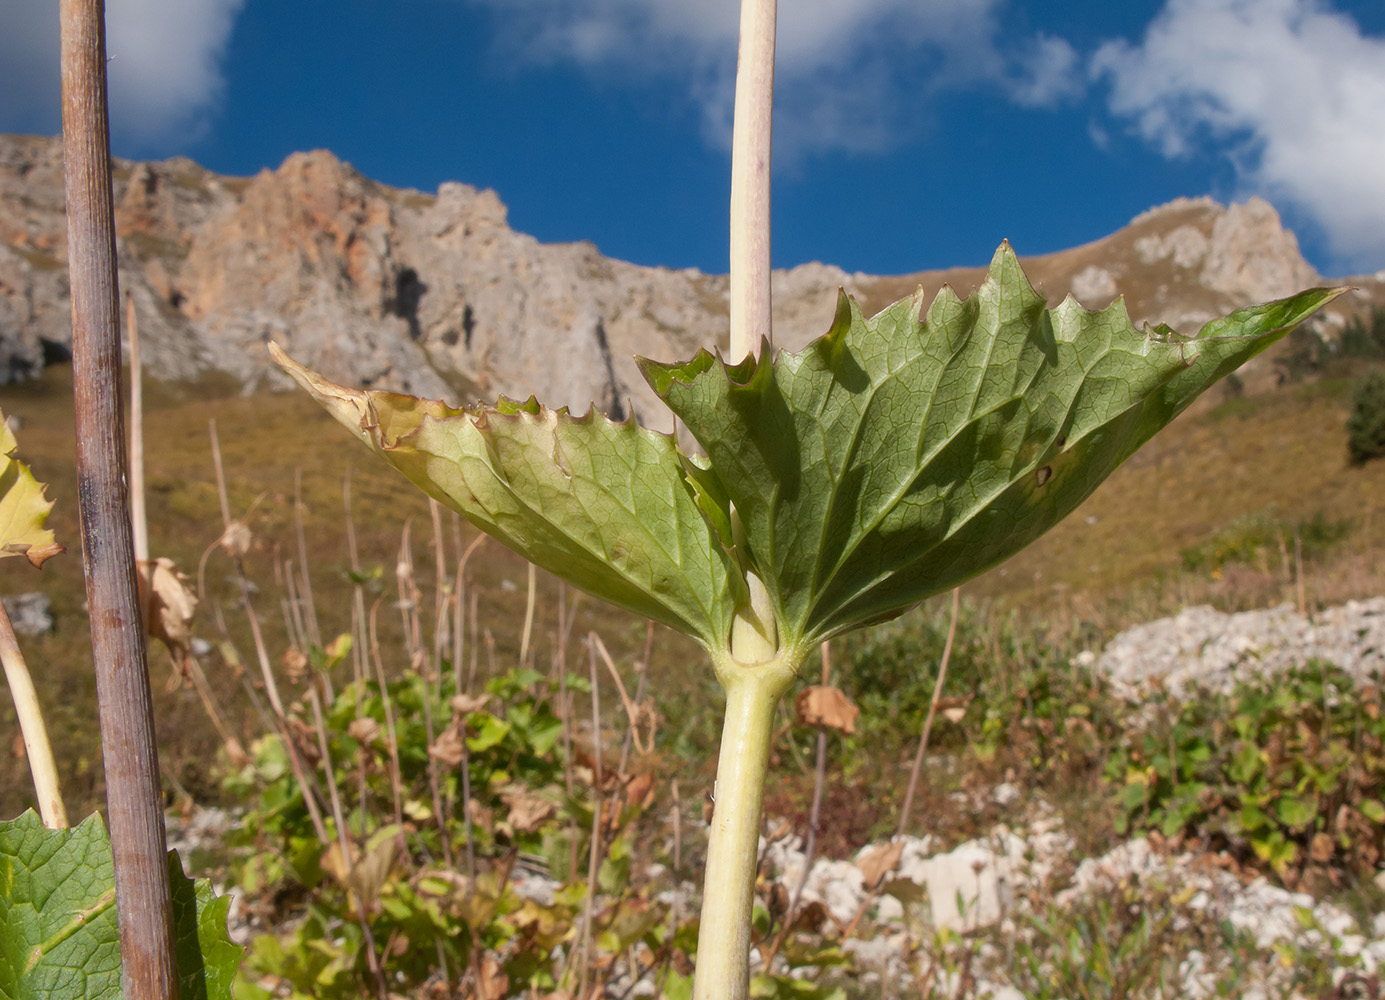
(134, 800)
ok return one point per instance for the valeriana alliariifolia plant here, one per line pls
(892, 459)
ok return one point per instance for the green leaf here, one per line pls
(490, 732)
(1372, 810)
(58, 935)
(23, 508)
(606, 506)
(898, 456)
(207, 957)
(894, 458)
(1294, 812)
(766, 987)
(677, 986)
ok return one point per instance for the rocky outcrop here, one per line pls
(434, 293)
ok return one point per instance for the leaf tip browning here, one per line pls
(350, 407)
(40, 554)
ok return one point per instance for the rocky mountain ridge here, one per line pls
(434, 293)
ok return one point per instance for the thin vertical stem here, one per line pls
(262, 652)
(391, 733)
(139, 522)
(31, 727)
(528, 632)
(639, 696)
(314, 632)
(133, 800)
(928, 721)
(750, 177)
(348, 853)
(442, 591)
(222, 496)
(459, 608)
(410, 598)
(472, 616)
(1298, 573)
(677, 831)
(631, 709)
(594, 858)
(565, 718)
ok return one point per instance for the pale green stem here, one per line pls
(759, 672)
(36, 745)
(723, 944)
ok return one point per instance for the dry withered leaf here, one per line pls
(235, 753)
(954, 709)
(168, 605)
(778, 830)
(527, 811)
(304, 739)
(334, 863)
(493, 982)
(827, 706)
(905, 890)
(363, 730)
(448, 748)
(295, 663)
(778, 901)
(811, 917)
(481, 815)
(1322, 848)
(639, 790)
(465, 704)
(236, 540)
(879, 861)
(371, 870)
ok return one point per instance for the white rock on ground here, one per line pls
(1203, 646)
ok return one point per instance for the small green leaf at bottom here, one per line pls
(58, 934)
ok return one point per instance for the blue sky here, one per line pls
(910, 134)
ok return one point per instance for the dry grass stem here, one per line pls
(928, 720)
(632, 712)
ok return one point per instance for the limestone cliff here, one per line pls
(433, 293)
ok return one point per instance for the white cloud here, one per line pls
(163, 69)
(850, 74)
(1293, 91)
(1048, 73)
